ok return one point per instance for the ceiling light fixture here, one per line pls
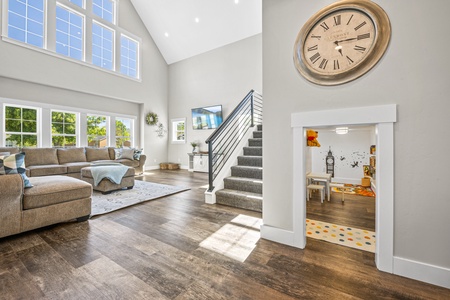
(166, 34)
(197, 20)
(342, 130)
(236, 1)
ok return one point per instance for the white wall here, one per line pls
(412, 75)
(348, 149)
(30, 75)
(221, 76)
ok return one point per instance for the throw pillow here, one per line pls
(128, 153)
(14, 164)
(137, 154)
(118, 153)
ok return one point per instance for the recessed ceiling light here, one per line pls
(236, 1)
(166, 34)
(197, 20)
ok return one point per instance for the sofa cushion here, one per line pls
(129, 162)
(93, 154)
(71, 155)
(14, 164)
(40, 156)
(47, 170)
(127, 153)
(55, 189)
(75, 167)
(11, 150)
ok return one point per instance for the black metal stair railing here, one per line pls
(224, 140)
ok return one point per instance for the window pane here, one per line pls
(64, 129)
(58, 141)
(26, 21)
(57, 128)
(29, 140)
(29, 114)
(124, 132)
(104, 9)
(96, 131)
(102, 46)
(69, 33)
(29, 126)
(13, 112)
(128, 57)
(13, 125)
(77, 2)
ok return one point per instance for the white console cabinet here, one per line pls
(198, 162)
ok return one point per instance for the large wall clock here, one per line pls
(342, 42)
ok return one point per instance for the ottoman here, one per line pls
(106, 186)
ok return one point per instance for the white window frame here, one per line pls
(107, 125)
(174, 131)
(38, 123)
(113, 49)
(137, 55)
(77, 126)
(50, 31)
(113, 143)
(83, 35)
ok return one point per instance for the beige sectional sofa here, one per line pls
(70, 161)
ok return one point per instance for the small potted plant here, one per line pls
(194, 145)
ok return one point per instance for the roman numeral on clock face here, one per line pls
(312, 48)
(315, 58)
(359, 48)
(349, 19)
(363, 36)
(350, 61)
(323, 64)
(360, 25)
(336, 64)
(316, 37)
(324, 26)
(337, 20)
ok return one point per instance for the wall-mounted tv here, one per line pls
(209, 117)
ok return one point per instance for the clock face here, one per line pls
(342, 41)
(339, 41)
(330, 160)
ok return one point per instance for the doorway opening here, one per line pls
(383, 117)
(341, 167)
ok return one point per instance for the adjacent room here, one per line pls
(232, 149)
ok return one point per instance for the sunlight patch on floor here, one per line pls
(236, 239)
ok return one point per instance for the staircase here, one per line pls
(243, 188)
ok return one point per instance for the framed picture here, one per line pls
(366, 169)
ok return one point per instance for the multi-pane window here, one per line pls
(21, 126)
(78, 2)
(128, 56)
(102, 46)
(64, 129)
(104, 9)
(69, 33)
(26, 21)
(124, 132)
(178, 131)
(96, 131)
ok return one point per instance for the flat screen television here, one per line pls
(209, 117)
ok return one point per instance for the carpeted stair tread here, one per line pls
(250, 160)
(255, 142)
(245, 200)
(253, 151)
(259, 127)
(257, 134)
(247, 172)
(243, 184)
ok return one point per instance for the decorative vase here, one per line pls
(193, 149)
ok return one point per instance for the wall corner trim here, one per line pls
(421, 271)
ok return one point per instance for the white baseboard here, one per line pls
(278, 235)
(422, 271)
(346, 180)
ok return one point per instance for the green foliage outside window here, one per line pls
(96, 131)
(64, 129)
(21, 126)
(123, 133)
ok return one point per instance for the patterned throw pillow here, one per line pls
(137, 154)
(14, 164)
(118, 153)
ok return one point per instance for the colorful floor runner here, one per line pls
(341, 235)
(355, 190)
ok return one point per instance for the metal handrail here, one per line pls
(224, 140)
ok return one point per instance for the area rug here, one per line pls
(142, 191)
(355, 190)
(341, 235)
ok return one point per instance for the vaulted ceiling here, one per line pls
(185, 28)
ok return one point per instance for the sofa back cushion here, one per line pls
(93, 154)
(40, 156)
(11, 150)
(70, 155)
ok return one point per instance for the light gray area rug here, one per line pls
(142, 191)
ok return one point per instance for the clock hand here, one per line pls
(337, 42)
(339, 48)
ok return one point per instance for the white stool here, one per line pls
(321, 188)
(339, 186)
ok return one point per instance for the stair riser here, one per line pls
(250, 161)
(257, 134)
(245, 186)
(253, 151)
(259, 127)
(255, 205)
(246, 173)
(255, 142)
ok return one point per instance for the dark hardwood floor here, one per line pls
(157, 250)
